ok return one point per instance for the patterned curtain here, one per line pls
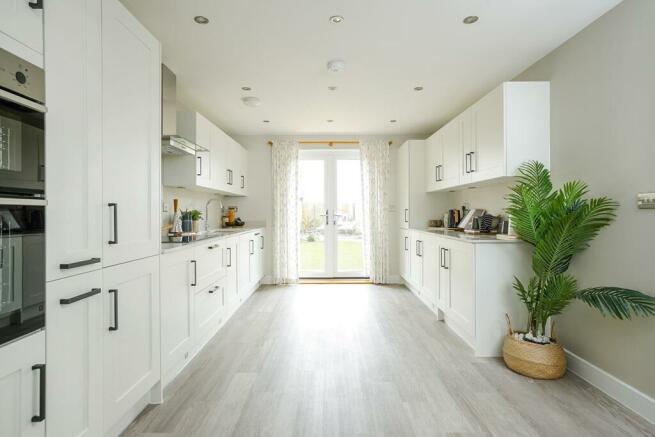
(285, 211)
(375, 179)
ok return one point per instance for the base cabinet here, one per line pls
(231, 292)
(74, 336)
(404, 254)
(22, 365)
(131, 344)
(209, 304)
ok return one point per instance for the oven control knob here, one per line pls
(20, 77)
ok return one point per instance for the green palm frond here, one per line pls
(528, 199)
(618, 302)
(557, 294)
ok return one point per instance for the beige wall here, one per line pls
(603, 132)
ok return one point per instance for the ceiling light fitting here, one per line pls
(251, 101)
(392, 121)
(332, 88)
(330, 121)
(266, 121)
(336, 66)
(418, 88)
(470, 19)
(200, 19)
(246, 88)
(336, 19)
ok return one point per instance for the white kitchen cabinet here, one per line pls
(243, 171)
(177, 306)
(74, 336)
(430, 255)
(247, 265)
(22, 369)
(74, 137)
(405, 254)
(490, 140)
(208, 313)
(208, 264)
(412, 201)
(416, 260)
(257, 272)
(131, 136)
(443, 292)
(21, 29)
(195, 172)
(131, 343)
(230, 281)
(458, 259)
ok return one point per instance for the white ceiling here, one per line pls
(280, 48)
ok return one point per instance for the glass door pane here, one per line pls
(348, 218)
(313, 219)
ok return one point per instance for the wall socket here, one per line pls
(646, 200)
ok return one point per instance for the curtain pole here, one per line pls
(328, 142)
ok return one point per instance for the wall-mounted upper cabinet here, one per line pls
(217, 165)
(21, 29)
(491, 139)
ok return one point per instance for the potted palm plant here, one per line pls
(558, 224)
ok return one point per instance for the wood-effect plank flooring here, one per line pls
(364, 360)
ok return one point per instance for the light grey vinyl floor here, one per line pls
(363, 360)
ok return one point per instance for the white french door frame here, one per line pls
(330, 158)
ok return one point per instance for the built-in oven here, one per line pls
(22, 151)
(22, 203)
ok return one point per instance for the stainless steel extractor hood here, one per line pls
(172, 143)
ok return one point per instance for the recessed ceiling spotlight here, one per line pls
(336, 65)
(251, 101)
(200, 19)
(246, 88)
(332, 88)
(418, 88)
(330, 121)
(336, 19)
(470, 19)
(392, 121)
(266, 121)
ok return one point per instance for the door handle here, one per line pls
(436, 173)
(213, 290)
(195, 272)
(115, 327)
(406, 248)
(41, 416)
(471, 162)
(229, 257)
(243, 181)
(115, 239)
(76, 264)
(36, 4)
(445, 265)
(406, 212)
(262, 246)
(252, 246)
(420, 248)
(79, 297)
(326, 215)
(441, 257)
(199, 158)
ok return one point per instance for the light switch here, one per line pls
(646, 200)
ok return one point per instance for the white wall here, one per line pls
(258, 206)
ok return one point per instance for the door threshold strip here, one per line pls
(335, 281)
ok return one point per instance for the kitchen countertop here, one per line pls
(217, 234)
(468, 238)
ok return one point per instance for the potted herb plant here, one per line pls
(196, 216)
(558, 224)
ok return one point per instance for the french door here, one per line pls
(330, 209)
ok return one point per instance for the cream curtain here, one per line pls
(375, 166)
(285, 211)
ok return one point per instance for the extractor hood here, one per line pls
(172, 143)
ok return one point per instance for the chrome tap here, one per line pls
(207, 211)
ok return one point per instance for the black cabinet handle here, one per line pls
(199, 158)
(406, 212)
(229, 257)
(115, 293)
(76, 264)
(79, 297)
(213, 290)
(445, 265)
(115, 239)
(195, 272)
(36, 4)
(420, 248)
(262, 246)
(243, 181)
(472, 170)
(251, 246)
(406, 248)
(41, 416)
(441, 257)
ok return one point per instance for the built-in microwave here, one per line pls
(22, 151)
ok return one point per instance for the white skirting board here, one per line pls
(623, 393)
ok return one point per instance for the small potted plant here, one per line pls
(558, 224)
(196, 216)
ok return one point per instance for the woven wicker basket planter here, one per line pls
(539, 361)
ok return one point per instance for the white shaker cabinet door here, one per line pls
(22, 367)
(131, 131)
(74, 355)
(487, 160)
(21, 29)
(131, 344)
(74, 138)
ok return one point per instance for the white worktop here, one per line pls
(167, 247)
(467, 238)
